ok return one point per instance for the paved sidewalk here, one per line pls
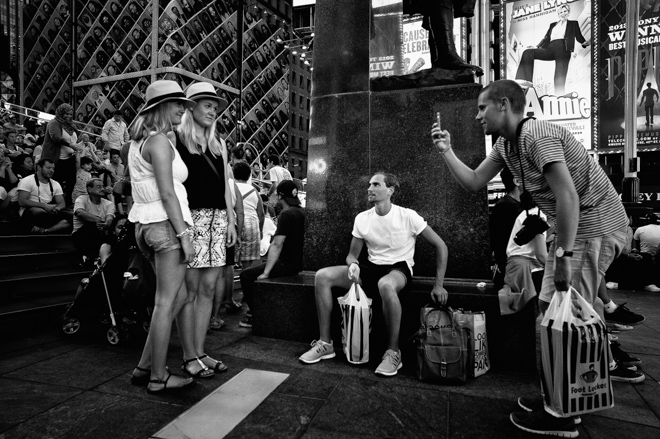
(58, 386)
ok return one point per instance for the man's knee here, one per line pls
(328, 276)
(388, 289)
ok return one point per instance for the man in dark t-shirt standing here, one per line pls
(285, 254)
(649, 98)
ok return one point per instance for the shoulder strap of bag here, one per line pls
(208, 160)
(248, 193)
(522, 173)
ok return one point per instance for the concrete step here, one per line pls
(16, 244)
(29, 264)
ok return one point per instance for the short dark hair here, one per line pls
(506, 88)
(85, 161)
(507, 179)
(43, 161)
(115, 152)
(648, 84)
(275, 159)
(91, 181)
(116, 113)
(241, 171)
(390, 180)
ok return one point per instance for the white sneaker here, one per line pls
(652, 288)
(391, 363)
(320, 351)
(612, 285)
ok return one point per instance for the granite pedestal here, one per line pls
(284, 308)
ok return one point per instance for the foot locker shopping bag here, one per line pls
(355, 324)
(575, 357)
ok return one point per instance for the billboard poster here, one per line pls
(547, 48)
(385, 50)
(415, 42)
(612, 76)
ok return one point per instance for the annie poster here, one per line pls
(547, 48)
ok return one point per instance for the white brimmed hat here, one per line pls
(165, 91)
(205, 90)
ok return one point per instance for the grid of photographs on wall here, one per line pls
(114, 38)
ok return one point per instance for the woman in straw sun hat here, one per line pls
(163, 223)
(214, 226)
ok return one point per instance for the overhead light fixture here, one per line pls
(305, 47)
(294, 52)
(302, 55)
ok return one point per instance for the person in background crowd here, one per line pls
(389, 232)
(60, 146)
(502, 219)
(569, 187)
(115, 132)
(12, 149)
(214, 229)
(163, 223)
(276, 172)
(11, 125)
(41, 201)
(286, 251)
(83, 175)
(253, 216)
(7, 180)
(647, 241)
(92, 220)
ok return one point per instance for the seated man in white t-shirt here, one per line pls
(390, 232)
(92, 220)
(41, 201)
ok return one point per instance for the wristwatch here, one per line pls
(561, 253)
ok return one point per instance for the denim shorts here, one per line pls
(156, 238)
(591, 258)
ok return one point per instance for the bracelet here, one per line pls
(188, 231)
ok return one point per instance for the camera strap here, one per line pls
(522, 173)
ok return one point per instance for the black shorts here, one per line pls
(371, 273)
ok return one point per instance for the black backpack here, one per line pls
(442, 346)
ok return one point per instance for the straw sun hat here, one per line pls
(204, 90)
(165, 91)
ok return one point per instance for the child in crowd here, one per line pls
(83, 175)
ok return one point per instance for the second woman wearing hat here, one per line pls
(164, 224)
(214, 230)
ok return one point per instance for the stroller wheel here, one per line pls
(70, 326)
(113, 335)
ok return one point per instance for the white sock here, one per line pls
(610, 307)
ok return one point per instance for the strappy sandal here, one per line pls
(143, 378)
(165, 388)
(216, 324)
(204, 372)
(219, 365)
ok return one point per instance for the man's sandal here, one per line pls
(219, 365)
(165, 388)
(142, 378)
(204, 372)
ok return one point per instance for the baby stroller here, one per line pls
(120, 292)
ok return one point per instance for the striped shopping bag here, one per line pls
(355, 324)
(575, 357)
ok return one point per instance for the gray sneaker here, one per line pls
(320, 351)
(391, 363)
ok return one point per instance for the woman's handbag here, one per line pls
(355, 324)
(575, 357)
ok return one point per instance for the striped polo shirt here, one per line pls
(541, 143)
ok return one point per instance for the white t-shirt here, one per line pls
(513, 249)
(390, 238)
(41, 193)
(102, 210)
(278, 173)
(649, 238)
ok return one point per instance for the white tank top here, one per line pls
(147, 203)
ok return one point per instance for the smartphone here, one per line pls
(438, 119)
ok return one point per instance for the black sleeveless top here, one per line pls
(205, 188)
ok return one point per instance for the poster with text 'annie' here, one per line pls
(548, 50)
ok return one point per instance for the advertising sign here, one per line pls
(415, 41)
(385, 46)
(611, 87)
(547, 48)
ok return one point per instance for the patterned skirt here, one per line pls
(209, 238)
